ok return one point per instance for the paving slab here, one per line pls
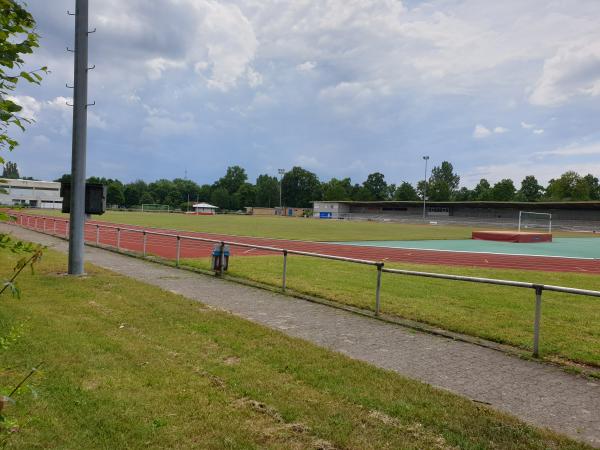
(540, 394)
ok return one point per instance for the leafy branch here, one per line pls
(17, 38)
(36, 252)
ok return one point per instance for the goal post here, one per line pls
(154, 207)
(536, 220)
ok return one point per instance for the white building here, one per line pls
(204, 209)
(33, 194)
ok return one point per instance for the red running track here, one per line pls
(165, 246)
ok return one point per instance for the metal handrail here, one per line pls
(537, 287)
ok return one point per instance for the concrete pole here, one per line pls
(78, 155)
(426, 158)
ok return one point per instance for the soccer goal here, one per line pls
(154, 207)
(535, 220)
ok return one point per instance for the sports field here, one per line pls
(569, 324)
(289, 227)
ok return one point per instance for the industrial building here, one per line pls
(568, 214)
(30, 193)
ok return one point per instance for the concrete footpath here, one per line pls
(539, 394)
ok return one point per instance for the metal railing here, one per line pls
(33, 222)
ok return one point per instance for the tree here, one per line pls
(336, 189)
(300, 187)
(464, 194)
(405, 191)
(530, 191)
(503, 191)
(233, 179)
(160, 190)
(593, 186)
(64, 178)
(267, 191)
(483, 191)
(376, 186)
(114, 194)
(146, 199)
(17, 38)
(220, 198)
(133, 192)
(10, 170)
(247, 195)
(443, 182)
(570, 186)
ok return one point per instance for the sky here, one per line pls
(343, 88)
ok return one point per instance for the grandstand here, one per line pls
(584, 216)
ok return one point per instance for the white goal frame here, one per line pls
(155, 210)
(536, 214)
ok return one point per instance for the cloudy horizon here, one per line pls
(341, 88)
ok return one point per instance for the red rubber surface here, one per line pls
(165, 247)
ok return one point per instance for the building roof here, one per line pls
(204, 205)
(475, 204)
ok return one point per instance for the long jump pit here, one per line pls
(524, 237)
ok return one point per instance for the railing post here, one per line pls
(118, 239)
(536, 321)
(178, 250)
(378, 289)
(97, 235)
(222, 259)
(144, 239)
(54, 226)
(67, 224)
(284, 279)
(44, 225)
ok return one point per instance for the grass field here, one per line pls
(127, 365)
(284, 227)
(569, 326)
(292, 228)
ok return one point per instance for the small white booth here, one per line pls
(204, 209)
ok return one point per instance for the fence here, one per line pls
(93, 234)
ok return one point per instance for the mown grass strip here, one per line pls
(569, 326)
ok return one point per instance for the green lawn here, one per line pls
(127, 365)
(570, 326)
(291, 227)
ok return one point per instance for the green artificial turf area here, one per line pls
(570, 325)
(127, 365)
(307, 229)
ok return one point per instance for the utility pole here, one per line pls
(78, 155)
(426, 158)
(281, 173)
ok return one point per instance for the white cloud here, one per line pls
(307, 66)
(31, 107)
(157, 125)
(573, 150)
(500, 130)
(574, 70)
(538, 131)
(526, 125)
(156, 67)
(481, 132)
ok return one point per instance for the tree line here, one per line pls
(300, 187)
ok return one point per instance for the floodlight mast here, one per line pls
(78, 151)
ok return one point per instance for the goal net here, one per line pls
(535, 221)
(154, 207)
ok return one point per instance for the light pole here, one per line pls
(281, 173)
(426, 158)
